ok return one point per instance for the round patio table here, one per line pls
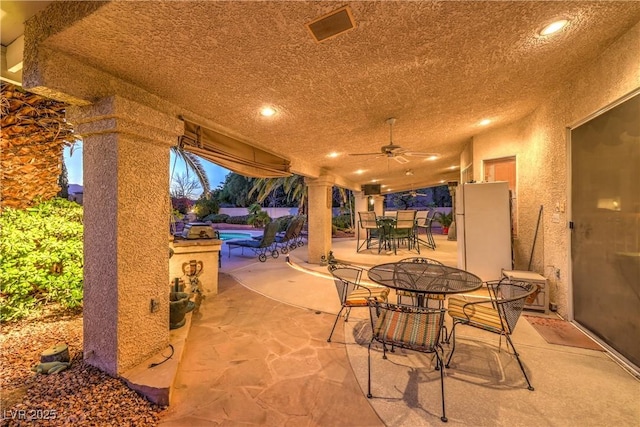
(424, 278)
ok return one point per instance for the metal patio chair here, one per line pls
(368, 222)
(412, 328)
(426, 226)
(351, 292)
(499, 315)
(404, 228)
(286, 241)
(259, 247)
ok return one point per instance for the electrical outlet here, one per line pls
(155, 305)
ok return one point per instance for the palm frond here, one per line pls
(194, 165)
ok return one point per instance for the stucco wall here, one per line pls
(539, 142)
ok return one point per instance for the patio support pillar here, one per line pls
(126, 225)
(378, 204)
(319, 218)
(361, 202)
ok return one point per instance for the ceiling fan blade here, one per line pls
(418, 154)
(365, 154)
(400, 159)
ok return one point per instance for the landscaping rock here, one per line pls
(81, 395)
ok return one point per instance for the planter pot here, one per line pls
(179, 306)
(445, 230)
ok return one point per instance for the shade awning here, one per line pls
(231, 153)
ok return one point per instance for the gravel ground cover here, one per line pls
(81, 395)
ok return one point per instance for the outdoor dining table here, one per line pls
(423, 278)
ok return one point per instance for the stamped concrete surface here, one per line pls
(251, 360)
(257, 355)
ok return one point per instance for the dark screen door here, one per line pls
(605, 239)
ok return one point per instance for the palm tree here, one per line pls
(194, 165)
(293, 186)
(34, 133)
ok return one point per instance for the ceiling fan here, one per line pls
(394, 151)
(414, 193)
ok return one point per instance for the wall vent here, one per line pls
(332, 24)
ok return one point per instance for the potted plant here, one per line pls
(445, 220)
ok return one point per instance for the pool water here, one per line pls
(226, 235)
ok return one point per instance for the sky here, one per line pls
(73, 161)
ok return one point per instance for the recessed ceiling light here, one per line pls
(441, 181)
(374, 180)
(484, 122)
(434, 157)
(554, 27)
(359, 172)
(453, 167)
(267, 111)
(383, 186)
(332, 154)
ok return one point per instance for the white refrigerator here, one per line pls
(483, 221)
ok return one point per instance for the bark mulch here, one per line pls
(81, 395)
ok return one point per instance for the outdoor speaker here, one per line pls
(371, 189)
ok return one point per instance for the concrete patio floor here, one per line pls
(257, 355)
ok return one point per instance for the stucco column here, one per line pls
(319, 219)
(126, 226)
(378, 204)
(360, 202)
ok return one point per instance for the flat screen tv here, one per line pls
(371, 189)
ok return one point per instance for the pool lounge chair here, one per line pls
(259, 247)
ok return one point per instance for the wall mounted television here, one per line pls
(371, 189)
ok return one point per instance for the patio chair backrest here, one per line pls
(421, 218)
(299, 226)
(368, 219)
(269, 235)
(290, 231)
(411, 327)
(509, 298)
(346, 278)
(405, 219)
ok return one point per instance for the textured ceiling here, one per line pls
(438, 67)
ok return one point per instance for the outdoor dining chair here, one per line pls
(369, 223)
(499, 315)
(412, 328)
(426, 227)
(404, 228)
(351, 292)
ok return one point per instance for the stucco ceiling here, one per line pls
(438, 67)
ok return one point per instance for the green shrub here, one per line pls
(216, 218)
(242, 219)
(206, 206)
(342, 222)
(41, 259)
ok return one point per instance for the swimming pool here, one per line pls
(229, 235)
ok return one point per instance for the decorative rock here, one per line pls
(57, 353)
